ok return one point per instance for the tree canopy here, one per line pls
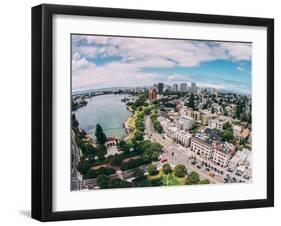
(166, 168)
(102, 181)
(180, 170)
(192, 178)
(152, 170)
(101, 138)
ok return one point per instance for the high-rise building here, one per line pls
(183, 87)
(152, 94)
(193, 87)
(160, 87)
(175, 87)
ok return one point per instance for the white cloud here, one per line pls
(238, 51)
(184, 52)
(239, 68)
(139, 53)
(79, 62)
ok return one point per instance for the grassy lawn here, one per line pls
(168, 180)
(131, 121)
(171, 179)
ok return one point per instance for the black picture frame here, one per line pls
(42, 111)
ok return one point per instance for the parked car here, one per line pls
(199, 167)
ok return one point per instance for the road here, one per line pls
(76, 179)
(176, 154)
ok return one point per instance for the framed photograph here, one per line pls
(145, 112)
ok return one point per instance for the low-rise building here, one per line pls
(245, 133)
(241, 158)
(186, 122)
(222, 153)
(218, 123)
(211, 150)
(201, 145)
(152, 94)
(205, 116)
(193, 114)
(182, 137)
(237, 131)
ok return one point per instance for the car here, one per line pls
(238, 174)
(199, 167)
(164, 160)
(193, 162)
(211, 174)
(207, 169)
(247, 177)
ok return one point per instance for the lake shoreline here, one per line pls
(113, 121)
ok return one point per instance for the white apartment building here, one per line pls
(176, 134)
(201, 147)
(186, 122)
(218, 123)
(182, 137)
(237, 131)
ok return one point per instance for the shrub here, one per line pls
(152, 170)
(166, 168)
(180, 170)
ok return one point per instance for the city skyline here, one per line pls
(220, 65)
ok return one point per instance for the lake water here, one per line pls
(107, 110)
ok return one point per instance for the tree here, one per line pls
(227, 126)
(138, 135)
(154, 156)
(133, 163)
(87, 149)
(101, 138)
(239, 109)
(75, 123)
(101, 151)
(124, 146)
(117, 160)
(227, 134)
(102, 181)
(191, 101)
(206, 181)
(166, 168)
(83, 166)
(147, 111)
(243, 141)
(192, 178)
(180, 170)
(157, 126)
(138, 173)
(152, 170)
(139, 124)
(115, 183)
(146, 156)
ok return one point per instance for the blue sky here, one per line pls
(105, 61)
